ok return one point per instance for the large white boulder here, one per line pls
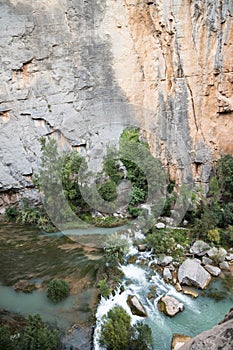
(192, 273)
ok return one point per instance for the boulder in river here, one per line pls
(217, 254)
(178, 340)
(199, 248)
(213, 270)
(167, 274)
(136, 306)
(169, 305)
(166, 261)
(192, 273)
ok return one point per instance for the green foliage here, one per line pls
(224, 170)
(116, 246)
(5, 338)
(104, 288)
(168, 241)
(37, 336)
(213, 236)
(111, 166)
(108, 191)
(71, 163)
(115, 330)
(142, 337)
(58, 290)
(137, 195)
(118, 334)
(11, 213)
(34, 216)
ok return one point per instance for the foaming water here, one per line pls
(199, 314)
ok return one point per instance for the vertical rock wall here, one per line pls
(74, 68)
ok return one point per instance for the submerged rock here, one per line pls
(166, 261)
(213, 270)
(170, 306)
(136, 306)
(24, 286)
(199, 248)
(178, 340)
(78, 338)
(190, 291)
(192, 273)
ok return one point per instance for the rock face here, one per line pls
(72, 69)
(136, 306)
(199, 248)
(219, 337)
(192, 273)
(169, 305)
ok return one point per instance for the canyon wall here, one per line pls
(83, 70)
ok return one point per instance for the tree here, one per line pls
(118, 334)
(5, 338)
(37, 336)
(57, 290)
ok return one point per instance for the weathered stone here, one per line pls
(178, 340)
(24, 286)
(192, 273)
(224, 266)
(217, 254)
(206, 261)
(169, 305)
(136, 306)
(160, 225)
(219, 337)
(229, 257)
(199, 248)
(178, 287)
(213, 270)
(79, 75)
(166, 261)
(142, 247)
(167, 274)
(190, 291)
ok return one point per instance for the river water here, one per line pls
(26, 253)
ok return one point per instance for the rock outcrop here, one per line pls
(192, 273)
(136, 306)
(74, 69)
(219, 337)
(169, 305)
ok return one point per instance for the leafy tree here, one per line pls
(57, 290)
(118, 334)
(224, 171)
(108, 191)
(37, 336)
(5, 338)
(116, 328)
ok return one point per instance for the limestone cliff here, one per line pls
(74, 69)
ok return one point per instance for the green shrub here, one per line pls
(108, 191)
(224, 171)
(11, 213)
(111, 166)
(5, 338)
(58, 290)
(117, 333)
(104, 288)
(115, 330)
(37, 336)
(213, 236)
